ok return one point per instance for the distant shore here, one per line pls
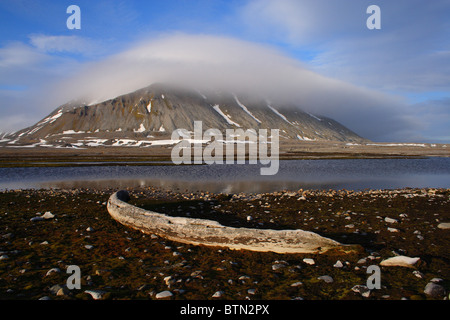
(289, 150)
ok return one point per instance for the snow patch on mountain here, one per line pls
(227, 119)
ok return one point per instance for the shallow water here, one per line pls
(353, 174)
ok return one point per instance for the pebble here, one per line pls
(296, 284)
(418, 274)
(338, 264)
(89, 247)
(278, 266)
(362, 290)
(48, 215)
(362, 261)
(218, 294)
(327, 279)
(53, 270)
(309, 261)
(59, 290)
(164, 294)
(390, 220)
(95, 294)
(434, 290)
(35, 219)
(436, 280)
(169, 280)
(89, 229)
(4, 257)
(251, 291)
(196, 274)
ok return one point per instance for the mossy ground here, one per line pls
(130, 265)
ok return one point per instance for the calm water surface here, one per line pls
(354, 174)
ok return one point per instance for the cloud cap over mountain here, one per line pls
(209, 62)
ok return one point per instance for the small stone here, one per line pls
(48, 215)
(164, 294)
(4, 257)
(45, 298)
(390, 220)
(362, 290)
(169, 280)
(89, 247)
(251, 291)
(59, 289)
(243, 278)
(278, 266)
(95, 294)
(218, 294)
(327, 279)
(35, 219)
(89, 229)
(418, 274)
(338, 264)
(362, 261)
(393, 230)
(296, 284)
(309, 261)
(196, 274)
(434, 290)
(53, 270)
(436, 280)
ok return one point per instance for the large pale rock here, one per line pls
(444, 225)
(400, 261)
(212, 233)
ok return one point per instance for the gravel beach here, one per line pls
(43, 232)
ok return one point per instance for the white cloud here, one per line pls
(218, 62)
(204, 62)
(68, 44)
(303, 21)
(409, 53)
(18, 54)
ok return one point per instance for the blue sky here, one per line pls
(391, 84)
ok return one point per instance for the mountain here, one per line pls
(150, 115)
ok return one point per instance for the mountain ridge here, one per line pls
(154, 112)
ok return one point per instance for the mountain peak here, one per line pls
(155, 111)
